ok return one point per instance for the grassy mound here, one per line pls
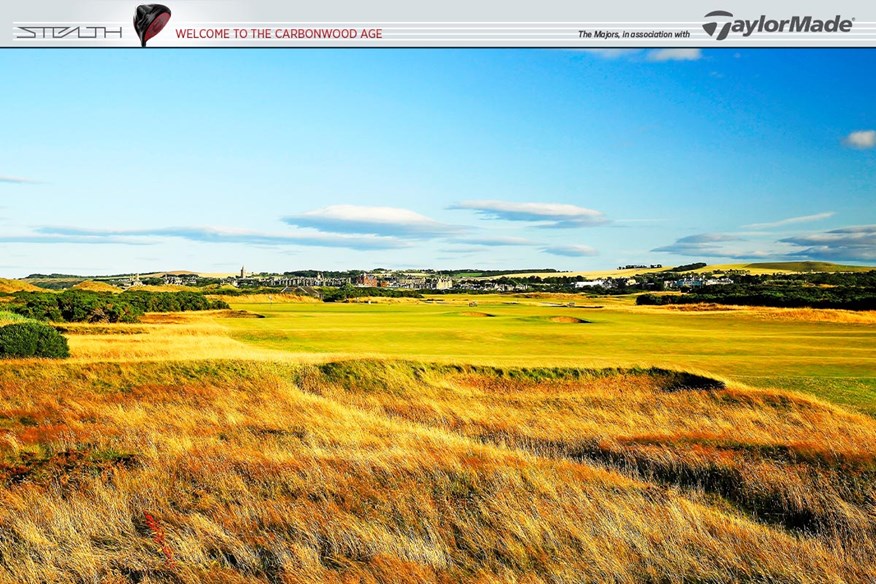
(266, 298)
(13, 286)
(397, 472)
(167, 288)
(92, 286)
(807, 267)
(567, 320)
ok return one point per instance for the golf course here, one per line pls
(828, 353)
(527, 437)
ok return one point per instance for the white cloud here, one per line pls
(371, 220)
(215, 235)
(547, 214)
(495, 241)
(16, 180)
(575, 251)
(855, 243)
(709, 245)
(654, 56)
(662, 55)
(611, 53)
(791, 221)
(29, 238)
(862, 139)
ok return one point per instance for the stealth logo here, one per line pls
(795, 24)
(711, 27)
(63, 32)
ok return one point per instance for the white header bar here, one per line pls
(399, 23)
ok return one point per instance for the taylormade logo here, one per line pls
(722, 25)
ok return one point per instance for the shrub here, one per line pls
(32, 339)
(87, 306)
(688, 267)
(11, 317)
(650, 300)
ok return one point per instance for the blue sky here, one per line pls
(146, 160)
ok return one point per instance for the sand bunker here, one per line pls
(568, 320)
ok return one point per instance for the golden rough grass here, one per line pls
(266, 298)
(393, 472)
(782, 457)
(167, 288)
(12, 286)
(815, 315)
(258, 467)
(381, 300)
(772, 313)
(754, 269)
(704, 307)
(159, 337)
(92, 286)
(163, 337)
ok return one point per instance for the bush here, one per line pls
(688, 267)
(32, 339)
(86, 306)
(650, 300)
(9, 317)
(348, 291)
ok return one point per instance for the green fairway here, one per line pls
(833, 360)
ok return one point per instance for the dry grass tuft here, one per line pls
(381, 300)
(267, 298)
(92, 286)
(12, 286)
(383, 471)
(767, 313)
(163, 336)
(815, 315)
(167, 288)
(702, 307)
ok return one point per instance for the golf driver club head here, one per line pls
(149, 19)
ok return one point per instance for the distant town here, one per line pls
(641, 277)
(780, 284)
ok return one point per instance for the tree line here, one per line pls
(349, 291)
(88, 306)
(847, 297)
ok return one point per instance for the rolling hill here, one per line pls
(757, 268)
(808, 267)
(12, 286)
(92, 286)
